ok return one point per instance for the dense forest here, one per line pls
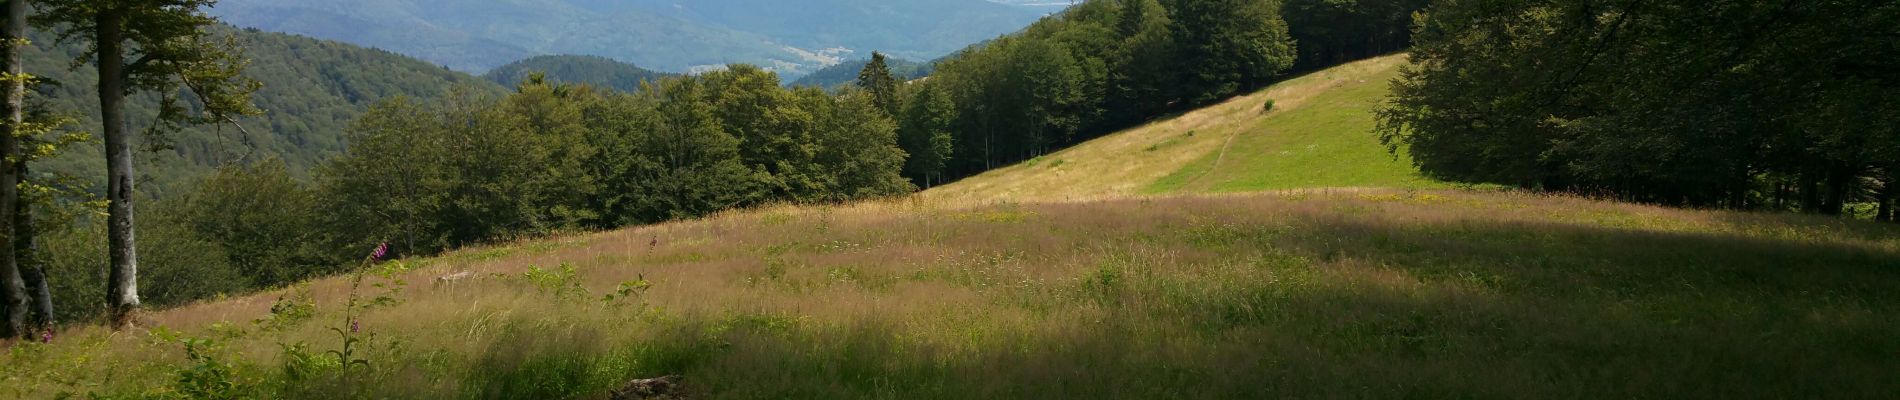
(1782, 105)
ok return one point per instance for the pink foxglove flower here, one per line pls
(382, 249)
(46, 336)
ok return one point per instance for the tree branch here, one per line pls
(136, 66)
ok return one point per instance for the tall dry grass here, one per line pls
(1315, 294)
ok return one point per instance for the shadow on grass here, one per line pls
(1333, 308)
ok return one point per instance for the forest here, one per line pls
(1752, 105)
(1649, 101)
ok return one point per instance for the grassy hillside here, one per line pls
(1058, 278)
(1319, 134)
(1333, 293)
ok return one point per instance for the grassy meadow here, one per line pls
(1125, 267)
(1352, 293)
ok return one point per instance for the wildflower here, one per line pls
(46, 336)
(382, 249)
(354, 326)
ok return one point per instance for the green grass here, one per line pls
(1319, 133)
(1326, 142)
(1317, 294)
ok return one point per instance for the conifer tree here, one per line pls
(876, 78)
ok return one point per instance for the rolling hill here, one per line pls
(1230, 252)
(793, 38)
(591, 70)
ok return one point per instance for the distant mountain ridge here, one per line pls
(846, 73)
(791, 37)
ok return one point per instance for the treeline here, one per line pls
(1776, 105)
(429, 176)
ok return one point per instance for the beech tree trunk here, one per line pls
(122, 291)
(26, 249)
(15, 89)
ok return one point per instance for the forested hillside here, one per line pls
(594, 71)
(846, 73)
(312, 91)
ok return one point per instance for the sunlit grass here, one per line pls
(1325, 141)
(1319, 134)
(1314, 293)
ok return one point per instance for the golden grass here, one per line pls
(1306, 293)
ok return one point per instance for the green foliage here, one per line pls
(925, 134)
(561, 282)
(208, 377)
(1745, 104)
(263, 220)
(634, 289)
(1331, 32)
(876, 79)
(1228, 46)
(290, 310)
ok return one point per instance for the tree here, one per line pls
(690, 166)
(925, 134)
(264, 221)
(876, 79)
(1146, 66)
(1330, 32)
(157, 45)
(774, 132)
(394, 184)
(857, 147)
(12, 283)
